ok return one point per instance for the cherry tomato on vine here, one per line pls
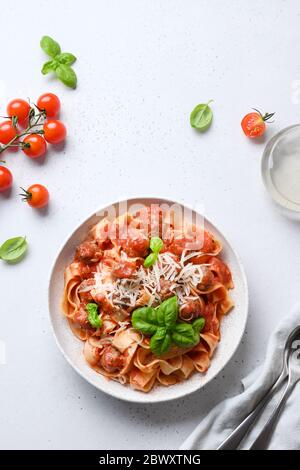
(253, 124)
(36, 195)
(49, 103)
(19, 108)
(34, 145)
(6, 179)
(7, 132)
(54, 131)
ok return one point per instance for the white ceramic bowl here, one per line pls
(232, 327)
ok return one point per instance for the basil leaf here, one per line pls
(184, 335)
(156, 244)
(201, 117)
(167, 312)
(150, 260)
(65, 58)
(93, 315)
(51, 47)
(14, 249)
(49, 66)
(160, 342)
(66, 75)
(198, 324)
(144, 319)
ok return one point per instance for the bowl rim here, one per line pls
(146, 398)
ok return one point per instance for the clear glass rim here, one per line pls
(276, 195)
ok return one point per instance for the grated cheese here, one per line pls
(177, 277)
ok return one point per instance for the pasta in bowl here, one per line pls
(146, 292)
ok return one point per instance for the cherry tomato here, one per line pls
(34, 146)
(49, 103)
(7, 132)
(36, 196)
(253, 124)
(19, 108)
(54, 131)
(6, 179)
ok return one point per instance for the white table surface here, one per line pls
(142, 67)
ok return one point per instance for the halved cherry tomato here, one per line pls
(7, 132)
(49, 103)
(54, 131)
(19, 108)
(6, 179)
(253, 124)
(36, 195)
(34, 146)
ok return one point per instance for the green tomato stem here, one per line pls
(27, 131)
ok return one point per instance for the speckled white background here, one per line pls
(142, 67)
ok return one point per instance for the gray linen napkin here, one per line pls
(222, 419)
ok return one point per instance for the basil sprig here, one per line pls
(60, 62)
(93, 315)
(201, 117)
(156, 245)
(14, 249)
(162, 325)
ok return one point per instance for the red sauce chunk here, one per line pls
(209, 244)
(124, 270)
(207, 281)
(86, 270)
(136, 245)
(81, 316)
(88, 252)
(202, 241)
(111, 359)
(192, 309)
(103, 303)
(221, 271)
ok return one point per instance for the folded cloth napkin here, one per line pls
(227, 415)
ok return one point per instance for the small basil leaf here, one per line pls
(156, 244)
(167, 312)
(49, 66)
(93, 315)
(160, 342)
(66, 75)
(198, 324)
(150, 260)
(51, 47)
(184, 335)
(144, 319)
(65, 58)
(14, 249)
(201, 117)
